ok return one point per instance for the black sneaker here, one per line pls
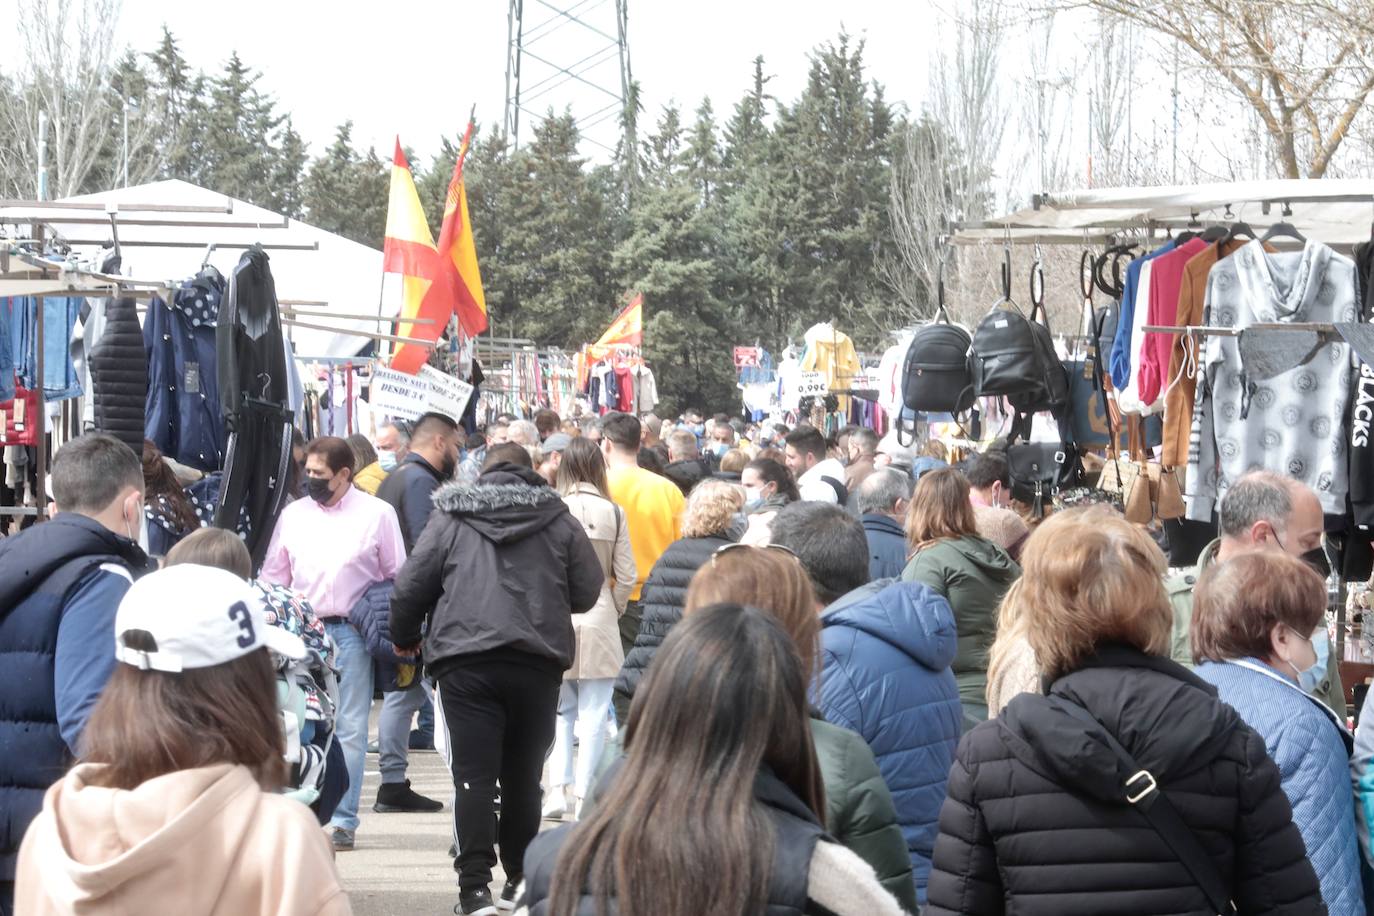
(393, 797)
(475, 902)
(508, 894)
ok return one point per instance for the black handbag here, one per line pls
(1039, 470)
(1144, 794)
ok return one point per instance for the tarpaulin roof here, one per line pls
(321, 267)
(1339, 212)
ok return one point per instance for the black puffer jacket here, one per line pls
(500, 569)
(119, 375)
(663, 598)
(1036, 821)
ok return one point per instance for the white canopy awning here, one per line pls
(341, 275)
(1339, 212)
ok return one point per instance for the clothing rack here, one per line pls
(1206, 331)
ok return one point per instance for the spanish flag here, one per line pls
(409, 250)
(628, 327)
(458, 282)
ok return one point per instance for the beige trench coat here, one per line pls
(599, 653)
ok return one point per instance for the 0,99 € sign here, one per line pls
(812, 385)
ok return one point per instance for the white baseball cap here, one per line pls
(199, 617)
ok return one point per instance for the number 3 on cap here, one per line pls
(240, 614)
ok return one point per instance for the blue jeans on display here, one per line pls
(350, 721)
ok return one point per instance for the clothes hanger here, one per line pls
(1284, 228)
(1279, 230)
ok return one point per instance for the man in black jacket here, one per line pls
(409, 490)
(498, 573)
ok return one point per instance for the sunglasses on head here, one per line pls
(729, 547)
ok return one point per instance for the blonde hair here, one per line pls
(1088, 577)
(711, 507)
(734, 461)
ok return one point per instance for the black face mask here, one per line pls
(1316, 558)
(317, 488)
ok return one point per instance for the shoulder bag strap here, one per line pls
(1142, 791)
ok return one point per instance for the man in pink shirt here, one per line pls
(331, 547)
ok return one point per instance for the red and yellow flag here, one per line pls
(627, 330)
(628, 327)
(458, 281)
(409, 250)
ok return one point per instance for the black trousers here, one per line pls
(500, 715)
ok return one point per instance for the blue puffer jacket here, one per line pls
(372, 618)
(886, 651)
(1313, 755)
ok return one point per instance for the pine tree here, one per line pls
(287, 187)
(672, 255)
(547, 275)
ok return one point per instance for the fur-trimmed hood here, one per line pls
(507, 503)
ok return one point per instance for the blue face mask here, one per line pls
(719, 449)
(1311, 679)
(387, 460)
(698, 429)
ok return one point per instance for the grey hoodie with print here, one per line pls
(1277, 399)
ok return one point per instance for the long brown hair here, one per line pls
(940, 508)
(726, 694)
(582, 463)
(158, 480)
(767, 578)
(151, 723)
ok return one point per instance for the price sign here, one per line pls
(401, 396)
(812, 385)
(447, 395)
(746, 357)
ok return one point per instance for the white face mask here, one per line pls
(753, 495)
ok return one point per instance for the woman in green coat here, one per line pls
(970, 572)
(859, 811)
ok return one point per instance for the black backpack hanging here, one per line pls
(937, 376)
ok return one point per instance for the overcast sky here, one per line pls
(417, 68)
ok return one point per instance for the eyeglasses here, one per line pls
(729, 547)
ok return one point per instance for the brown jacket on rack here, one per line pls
(1178, 399)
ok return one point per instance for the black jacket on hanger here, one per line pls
(255, 395)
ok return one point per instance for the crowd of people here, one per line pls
(743, 668)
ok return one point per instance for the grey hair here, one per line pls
(866, 439)
(881, 490)
(403, 429)
(523, 432)
(682, 445)
(1259, 496)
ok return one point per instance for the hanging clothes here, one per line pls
(119, 374)
(1125, 345)
(254, 394)
(1283, 411)
(182, 414)
(833, 355)
(1178, 400)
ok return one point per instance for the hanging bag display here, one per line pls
(936, 377)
